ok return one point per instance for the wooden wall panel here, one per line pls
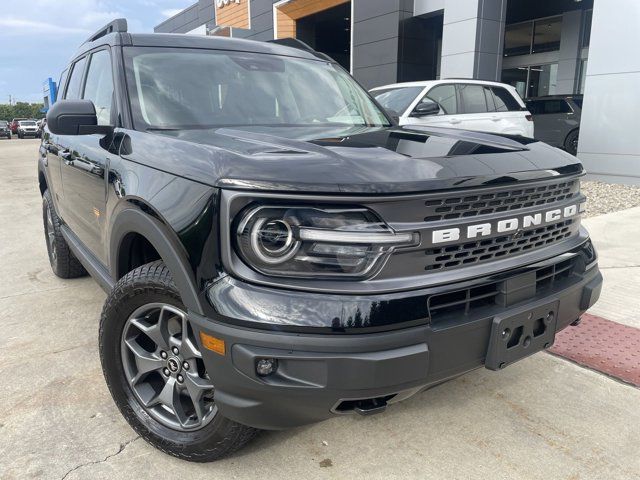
(234, 14)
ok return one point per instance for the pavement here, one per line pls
(542, 418)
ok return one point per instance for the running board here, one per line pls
(88, 260)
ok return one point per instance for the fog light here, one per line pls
(266, 366)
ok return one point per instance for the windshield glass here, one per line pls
(185, 88)
(397, 99)
(28, 124)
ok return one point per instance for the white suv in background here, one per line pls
(467, 104)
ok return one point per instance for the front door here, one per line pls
(85, 168)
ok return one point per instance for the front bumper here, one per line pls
(324, 375)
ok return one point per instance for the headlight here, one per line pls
(315, 242)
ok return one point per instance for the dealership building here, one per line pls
(542, 47)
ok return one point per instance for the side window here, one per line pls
(61, 83)
(445, 96)
(491, 105)
(473, 98)
(556, 107)
(99, 85)
(73, 89)
(505, 101)
(535, 107)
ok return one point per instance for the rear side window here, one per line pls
(504, 100)
(578, 102)
(75, 82)
(473, 98)
(548, 107)
(445, 96)
(99, 85)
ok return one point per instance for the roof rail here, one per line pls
(119, 25)
(300, 45)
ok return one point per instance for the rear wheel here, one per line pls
(571, 142)
(155, 372)
(63, 262)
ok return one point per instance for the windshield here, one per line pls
(184, 88)
(28, 124)
(397, 99)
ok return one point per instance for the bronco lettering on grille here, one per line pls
(514, 224)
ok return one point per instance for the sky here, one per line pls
(39, 37)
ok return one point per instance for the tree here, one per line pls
(20, 110)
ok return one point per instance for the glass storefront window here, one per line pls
(547, 33)
(583, 76)
(533, 81)
(586, 29)
(533, 37)
(517, 39)
(516, 77)
(542, 80)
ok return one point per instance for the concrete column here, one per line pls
(569, 51)
(472, 39)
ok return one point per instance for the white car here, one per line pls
(27, 128)
(466, 104)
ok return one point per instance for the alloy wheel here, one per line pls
(163, 367)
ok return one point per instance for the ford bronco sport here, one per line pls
(276, 251)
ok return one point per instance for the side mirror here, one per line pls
(75, 117)
(425, 108)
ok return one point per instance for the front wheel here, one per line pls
(155, 372)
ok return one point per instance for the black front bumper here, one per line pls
(323, 375)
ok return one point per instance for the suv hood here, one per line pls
(355, 160)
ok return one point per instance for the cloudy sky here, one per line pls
(38, 37)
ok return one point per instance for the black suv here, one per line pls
(276, 251)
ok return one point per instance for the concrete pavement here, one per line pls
(543, 418)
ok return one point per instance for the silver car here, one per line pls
(557, 120)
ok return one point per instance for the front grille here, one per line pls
(471, 253)
(472, 301)
(463, 206)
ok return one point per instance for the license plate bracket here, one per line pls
(519, 335)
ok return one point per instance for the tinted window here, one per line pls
(73, 89)
(548, 107)
(556, 106)
(445, 96)
(578, 101)
(99, 85)
(504, 100)
(473, 98)
(397, 99)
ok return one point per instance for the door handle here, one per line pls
(495, 119)
(455, 121)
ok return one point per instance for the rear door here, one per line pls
(477, 114)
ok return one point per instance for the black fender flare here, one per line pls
(166, 243)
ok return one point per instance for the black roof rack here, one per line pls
(119, 25)
(300, 45)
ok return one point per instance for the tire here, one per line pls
(20, 136)
(151, 287)
(63, 262)
(571, 142)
